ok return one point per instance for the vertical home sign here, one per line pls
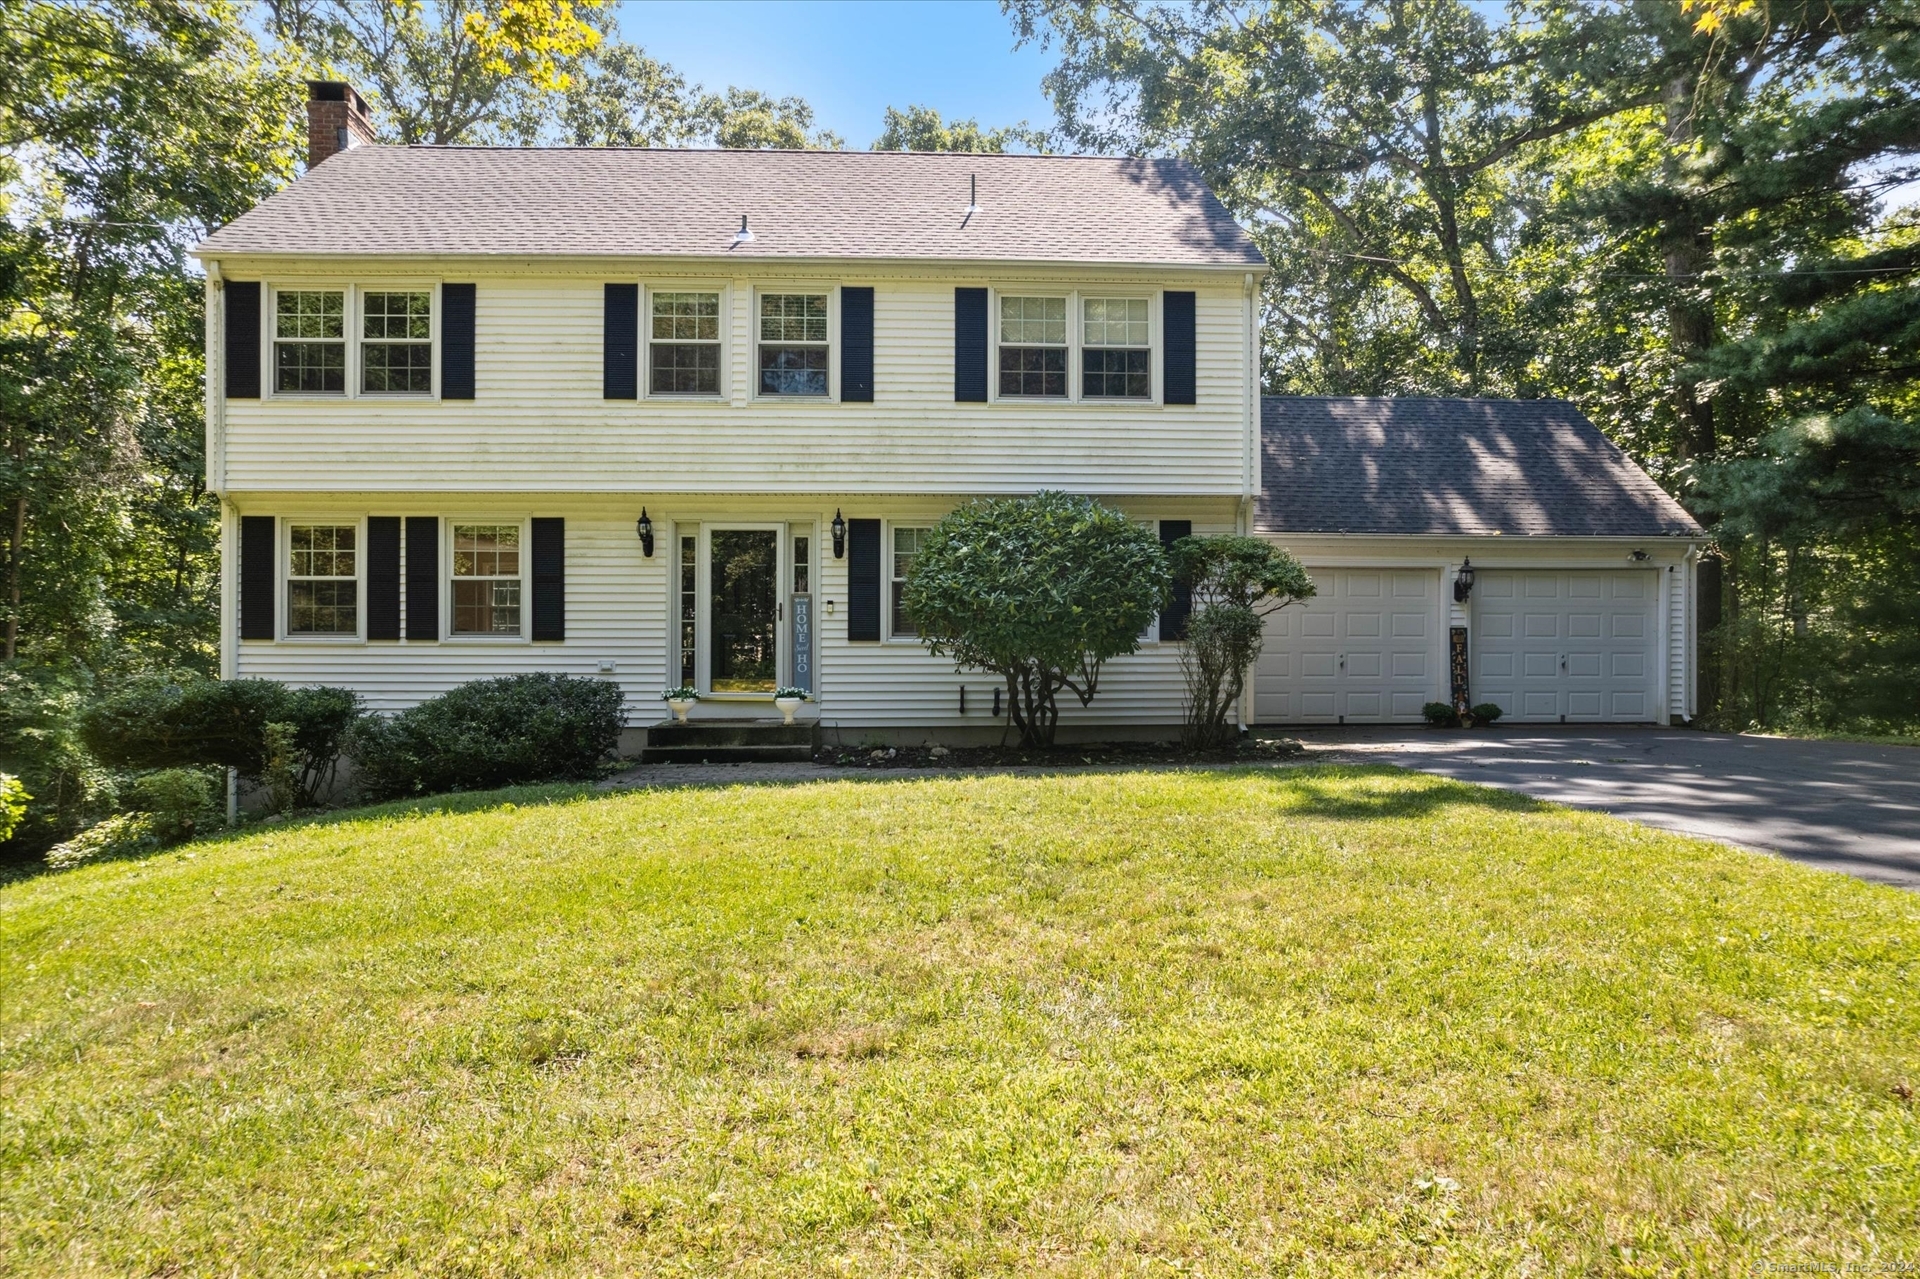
(1457, 664)
(803, 642)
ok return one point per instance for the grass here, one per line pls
(1320, 1021)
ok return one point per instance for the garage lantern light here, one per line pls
(644, 527)
(1463, 581)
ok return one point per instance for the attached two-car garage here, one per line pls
(1578, 609)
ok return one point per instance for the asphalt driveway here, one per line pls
(1837, 805)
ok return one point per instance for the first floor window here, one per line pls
(906, 545)
(1115, 356)
(684, 349)
(310, 341)
(323, 588)
(396, 348)
(486, 579)
(793, 344)
(1033, 347)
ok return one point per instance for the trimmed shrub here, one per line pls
(1441, 714)
(1486, 712)
(1041, 591)
(179, 802)
(184, 721)
(1235, 583)
(497, 732)
(122, 835)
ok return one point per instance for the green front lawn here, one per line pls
(1331, 1021)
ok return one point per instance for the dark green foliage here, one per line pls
(500, 732)
(39, 744)
(1039, 590)
(1440, 714)
(1486, 713)
(1236, 582)
(178, 801)
(186, 720)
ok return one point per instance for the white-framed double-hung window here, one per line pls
(1033, 347)
(906, 545)
(323, 579)
(1116, 352)
(486, 579)
(683, 346)
(793, 344)
(396, 342)
(310, 342)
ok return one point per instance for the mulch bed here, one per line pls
(1248, 751)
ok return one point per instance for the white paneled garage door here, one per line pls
(1363, 650)
(1571, 646)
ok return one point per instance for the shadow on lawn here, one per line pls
(1337, 792)
(1375, 792)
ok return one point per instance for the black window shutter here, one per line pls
(258, 559)
(970, 346)
(243, 339)
(856, 346)
(863, 579)
(621, 378)
(1173, 618)
(383, 577)
(423, 577)
(1176, 321)
(456, 341)
(549, 579)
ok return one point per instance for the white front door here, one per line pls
(1362, 651)
(1559, 647)
(741, 607)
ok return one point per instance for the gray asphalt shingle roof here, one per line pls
(800, 204)
(1533, 468)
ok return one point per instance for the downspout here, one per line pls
(1690, 648)
(1249, 452)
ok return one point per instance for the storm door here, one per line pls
(743, 610)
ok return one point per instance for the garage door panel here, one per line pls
(1359, 650)
(1577, 647)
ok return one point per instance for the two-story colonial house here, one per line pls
(681, 417)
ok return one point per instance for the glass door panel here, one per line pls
(742, 618)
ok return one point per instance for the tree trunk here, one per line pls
(15, 543)
(1688, 254)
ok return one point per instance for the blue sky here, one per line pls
(851, 59)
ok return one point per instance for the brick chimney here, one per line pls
(336, 120)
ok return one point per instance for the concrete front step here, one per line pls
(728, 741)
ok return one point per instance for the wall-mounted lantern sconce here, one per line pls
(1463, 582)
(644, 527)
(839, 536)
(1639, 557)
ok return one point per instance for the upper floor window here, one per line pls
(486, 579)
(310, 341)
(1033, 347)
(685, 345)
(793, 344)
(906, 545)
(323, 588)
(396, 347)
(1115, 357)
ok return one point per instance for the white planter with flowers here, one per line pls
(788, 700)
(680, 701)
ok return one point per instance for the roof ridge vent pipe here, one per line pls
(744, 235)
(973, 194)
